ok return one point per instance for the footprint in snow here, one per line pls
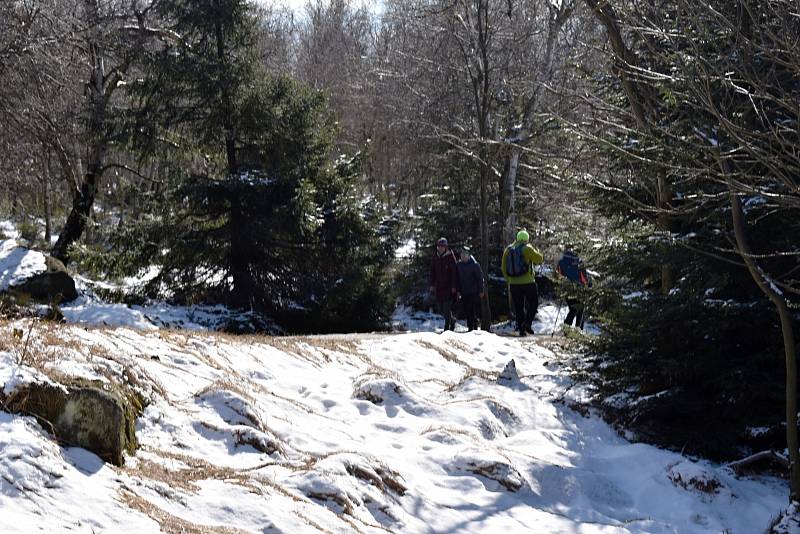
(363, 407)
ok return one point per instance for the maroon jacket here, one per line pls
(444, 275)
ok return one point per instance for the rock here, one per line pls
(509, 376)
(96, 417)
(490, 466)
(55, 285)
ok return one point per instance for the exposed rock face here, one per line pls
(55, 285)
(96, 417)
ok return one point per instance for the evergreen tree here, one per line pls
(707, 346)
(252, 204)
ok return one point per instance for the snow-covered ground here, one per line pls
(8, 230)
(414, 432)
(18, 263)
(408, 433)
(549, 320)
(90, 310)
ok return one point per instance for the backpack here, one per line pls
(515, 262)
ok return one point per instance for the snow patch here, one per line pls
(18, 264)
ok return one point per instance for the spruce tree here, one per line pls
(252, 212)
(705, 353)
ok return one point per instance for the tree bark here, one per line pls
(82, 204)
(777, 298)
(241, 293)
(509, 196)
(556, 21)
(639, 100)
(605, 14)
(48, 227)
(510, 222)
(16, 206)
(481, 88)
(664, 227)
(99, 91)
(486, 311)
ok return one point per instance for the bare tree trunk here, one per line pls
(605, 14)
(507, 206)
(242, 282)
(639, 100)
(486, 312)
(481, 88)
(509, 197)
(48, 228)
(82, 204)
(16, 205)
(787, 328)
(664, 227)
(99, 89)
(557, 19)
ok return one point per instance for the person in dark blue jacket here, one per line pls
(470, 283)
(571, 267)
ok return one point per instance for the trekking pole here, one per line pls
(558, 312)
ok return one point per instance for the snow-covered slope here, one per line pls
(401, 433)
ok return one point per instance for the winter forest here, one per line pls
(416, 266)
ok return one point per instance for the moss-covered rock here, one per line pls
(98, 417)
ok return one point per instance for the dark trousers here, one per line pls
(575, 312)
(526, 303)
(445, 307)
(470, 304)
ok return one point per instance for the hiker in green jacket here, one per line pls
(518, 260)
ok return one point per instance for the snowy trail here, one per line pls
(407, 433)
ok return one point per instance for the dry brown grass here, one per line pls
(453, 357)
(195, 470)
(41, 344)
(169, 523)
(333, 344)
(453, 430)
(183, 479)
(382, 478)
(459, 345)
(35, 343)
(225, 384)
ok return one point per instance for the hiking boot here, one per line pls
(522, 333)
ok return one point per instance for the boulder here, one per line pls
(97, 417)
(54, 285)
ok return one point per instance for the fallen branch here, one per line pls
(737, 465)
